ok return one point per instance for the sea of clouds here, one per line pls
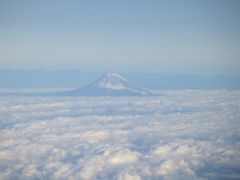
(177, 135)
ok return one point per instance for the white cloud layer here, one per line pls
(178, 135)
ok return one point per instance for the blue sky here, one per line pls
(186, 37)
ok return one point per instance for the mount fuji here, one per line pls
(110, 84)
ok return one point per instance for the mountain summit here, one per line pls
(110, 84)
(111, 81)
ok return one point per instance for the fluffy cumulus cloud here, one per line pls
(177, 135)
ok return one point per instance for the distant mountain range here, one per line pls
(110, 84)
(77, 78)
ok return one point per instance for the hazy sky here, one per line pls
(201, 37)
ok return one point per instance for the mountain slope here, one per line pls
(111, 84)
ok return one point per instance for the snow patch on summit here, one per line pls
(111, 81)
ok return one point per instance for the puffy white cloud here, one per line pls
(178, 135)
(124, 157)
(129, 176)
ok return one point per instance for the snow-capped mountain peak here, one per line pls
(111, 81)
(111, 84)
